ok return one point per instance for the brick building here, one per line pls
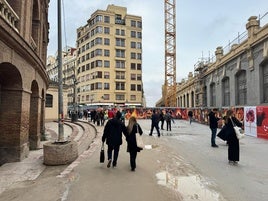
(23, 79)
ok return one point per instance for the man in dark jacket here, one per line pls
(113, 135)
(154, 124)
(213, 124)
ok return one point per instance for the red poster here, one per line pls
(262, 121)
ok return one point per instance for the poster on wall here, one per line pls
(262, 121)
(250, 121)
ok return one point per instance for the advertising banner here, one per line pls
(250, 121)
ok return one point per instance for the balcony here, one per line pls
(8, 14)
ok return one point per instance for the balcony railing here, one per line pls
(8, 14)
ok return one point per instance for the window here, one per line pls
(107, 64)
(213, 94)
(133, 66)
(49, 100)
(120, 53)
(117, 32)
(120, 42)
(106, 86)
(99, 63)
(98, 85)
(138, 66)
(133, 55)
(98, 18)
(265, 83)
(106, 75)
(98, 29)
(139, 35)
(138, 87)
(106, 96)
(106, 30)
(123, 33)
(98, 52)
(133, 87)
(120, 75)
(120, 86)
(98, 41)
(107, 53)
(106, 41)
(119, 97)
(138, 76)
(226, 92)
(120, 64)
(106, 19)
(133, 44)
(139, 56)
(133, 23)
(139, 24)
(241, 90)
(133, 76)
(133, 34)
(139, 45)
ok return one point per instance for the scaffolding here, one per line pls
(170, 54)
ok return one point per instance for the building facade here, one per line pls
(238, 77)
(69, 80)
(109, 59)
(23, 79)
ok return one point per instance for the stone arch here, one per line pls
(35, 116)
(11, 143)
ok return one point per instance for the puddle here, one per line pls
(190, 187)
(149, 146)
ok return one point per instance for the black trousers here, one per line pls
(110, 150)
(133, 156)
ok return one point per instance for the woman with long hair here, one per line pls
(133, 128)
(233, 142)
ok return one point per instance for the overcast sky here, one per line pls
(202, 26)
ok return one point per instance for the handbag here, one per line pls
(102, 155)
(139, 140)
(223, 134)
(239, 132)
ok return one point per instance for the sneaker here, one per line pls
(109, 163)
(133, 169)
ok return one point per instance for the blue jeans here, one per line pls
(213, 136)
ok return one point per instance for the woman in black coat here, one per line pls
(233, 142)
(133, 128)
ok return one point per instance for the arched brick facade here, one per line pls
(23, 78)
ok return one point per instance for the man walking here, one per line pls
(154, 124)
(213, 124)
(113, 135)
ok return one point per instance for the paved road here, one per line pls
(180, 165)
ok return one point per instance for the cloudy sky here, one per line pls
(202, 26)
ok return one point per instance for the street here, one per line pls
(180, 165)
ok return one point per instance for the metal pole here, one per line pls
(60, 96)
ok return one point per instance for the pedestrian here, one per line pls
(213, 124)
(113, 135)
(168, 119)
(133, 128)
(154, 124)
(233, 142)
(190, 115)
(162, 119)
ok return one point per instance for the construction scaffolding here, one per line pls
(170, 54)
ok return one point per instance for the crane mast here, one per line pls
(170, 54)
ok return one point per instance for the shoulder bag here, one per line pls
(139, 140)
(238, 131)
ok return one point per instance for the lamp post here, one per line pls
(75, 105)
(60, 96)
